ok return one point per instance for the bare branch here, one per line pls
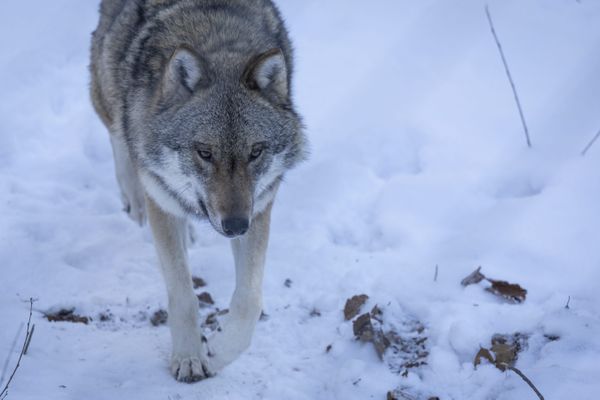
(28, 339)
(590, 143)
(526, 379)
(509, 75)
(12, 349)
(436, 273)
(28, 334)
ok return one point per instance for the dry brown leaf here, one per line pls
(400, 395)
(404, 393)
(362, 327)
(159, 318)
(377, 314)
(211, 322)
(473, 278)
(504, 351)
(381, 343)
(66, 315)
(399, 343)
(507, 347)
(198, 282)
(505, 355)
(509, 291)
(205, 298)
(483, 353)
(353, 306)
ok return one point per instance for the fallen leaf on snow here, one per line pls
(473, 278)
(353, 306)
(504, 350)
(399, 395)
(508, 291)
(483, 353)
(66, 315)
(398, 339)
(205, 298)
(159, 318)
(405, 393)
(198, 282)
(362, 327)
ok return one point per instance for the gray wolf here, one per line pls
(196, 97)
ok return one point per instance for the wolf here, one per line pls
(196, 96)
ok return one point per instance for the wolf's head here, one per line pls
(218, 137)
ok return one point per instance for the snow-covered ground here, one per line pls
(418, 159)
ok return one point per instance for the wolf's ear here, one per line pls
(268, 73)
(182, 74)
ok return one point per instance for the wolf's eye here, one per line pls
(205, 155)
(255, 154)
(256, 151)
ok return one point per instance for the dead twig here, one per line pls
(568, 301)
(509, 75)
(436, 273)
(28, 339)
(526, 379)
(590, 144)
(12, 349)
(28, 334)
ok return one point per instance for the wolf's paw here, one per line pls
(189, 369)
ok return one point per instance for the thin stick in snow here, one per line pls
(12, 349)
(28, 339)
(526, 379)
(28, 334)
(436, 273)
(509, 75)
(590, 143)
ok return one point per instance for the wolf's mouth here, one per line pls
(203, 213)
(203, 208)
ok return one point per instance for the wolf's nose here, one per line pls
(235, 226)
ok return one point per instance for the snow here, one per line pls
(418, 159)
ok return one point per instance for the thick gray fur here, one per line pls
(196, 95)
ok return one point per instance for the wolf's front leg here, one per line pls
(188, 362)
(246, 304)
(132, 193)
